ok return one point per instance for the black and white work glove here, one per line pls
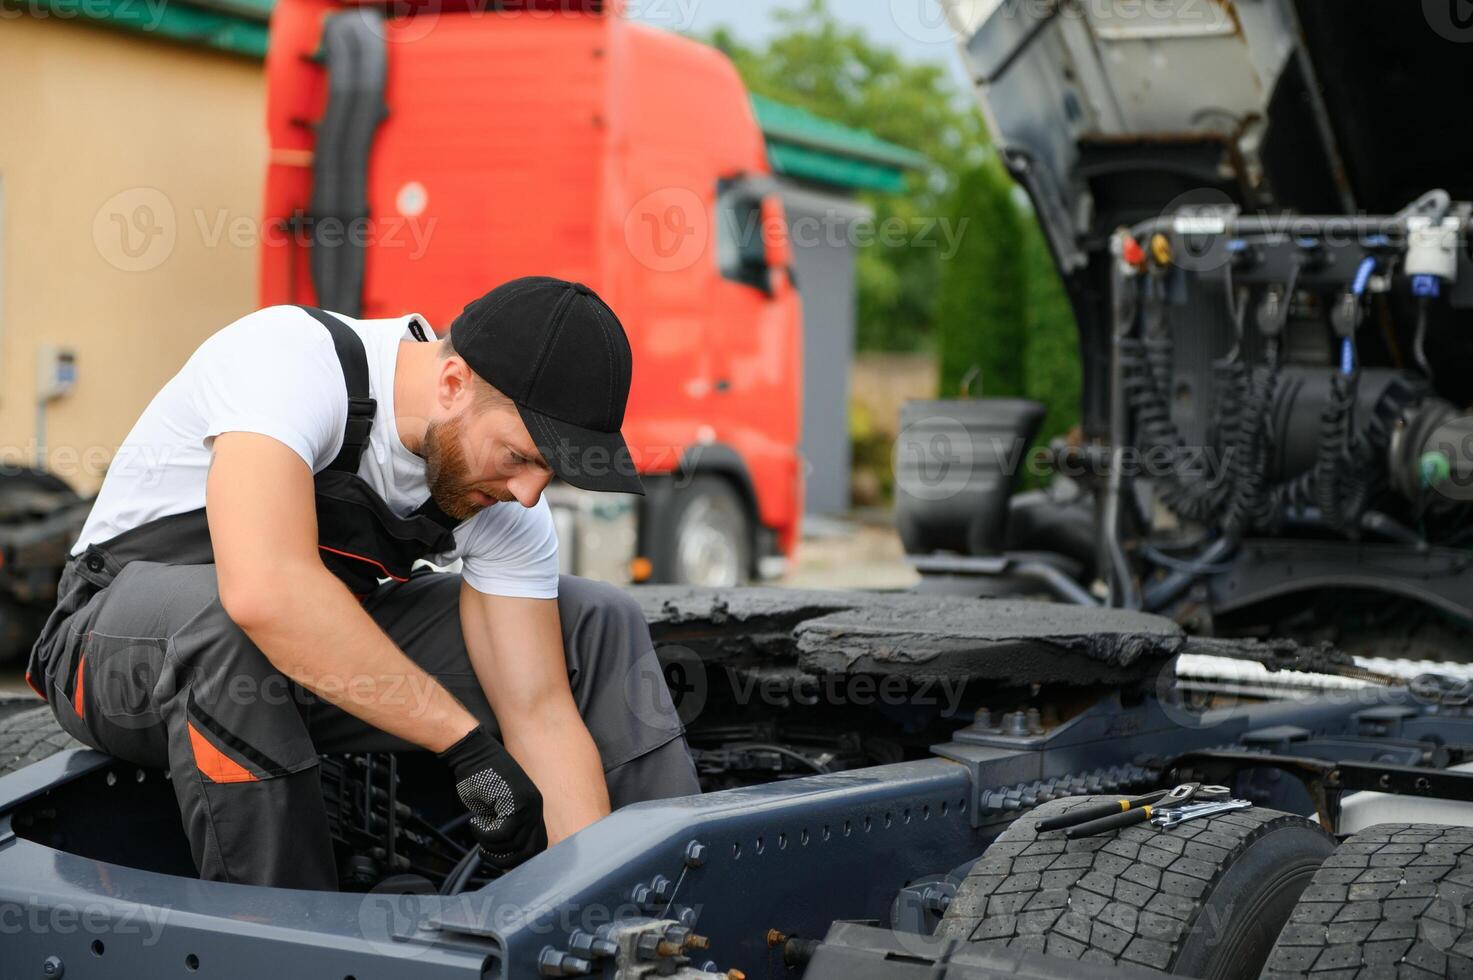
(506, 809)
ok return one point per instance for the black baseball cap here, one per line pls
(556, 349)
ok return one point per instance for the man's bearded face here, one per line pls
(458, 487)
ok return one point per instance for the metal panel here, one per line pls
(792, 855)
(824, 257)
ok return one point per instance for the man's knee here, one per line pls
(162, 627)
(587, 606)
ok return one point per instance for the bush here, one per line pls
(1052, 349)
(981, 305)
(1002, 309)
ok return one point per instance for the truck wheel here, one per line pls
(1205, 899)
(705, 537)
(1392, 901)
(29, 734)
(19, 626)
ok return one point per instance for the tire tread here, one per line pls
(1128, 897)
(29, 735)
(1393, 901)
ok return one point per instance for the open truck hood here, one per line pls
(1110, 112)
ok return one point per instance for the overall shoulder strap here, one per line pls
(361, 407)
(432, 510)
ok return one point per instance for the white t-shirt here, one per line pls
(275, 372)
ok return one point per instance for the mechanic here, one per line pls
(245, 594)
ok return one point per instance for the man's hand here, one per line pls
(516, 649)
(506, 809)
(263, 526)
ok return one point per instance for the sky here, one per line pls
(915, 27)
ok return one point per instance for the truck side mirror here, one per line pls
(777, 246)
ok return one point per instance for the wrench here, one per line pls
(1090, 822)
(1166, 819)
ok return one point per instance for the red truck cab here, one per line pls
(418, 160)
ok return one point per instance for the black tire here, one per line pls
(20, 624)
(1393, 901)
(27, 480)
(708, 506)
(29, 733)
(1205, 899)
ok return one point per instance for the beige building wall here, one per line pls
(881, 383)
(130, 181)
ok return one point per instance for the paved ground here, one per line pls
(860, 553)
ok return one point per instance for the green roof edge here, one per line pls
(785, 123)
(176, 21)
(802, 163)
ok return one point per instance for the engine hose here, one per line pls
(1189, 495)
(1167, 589)
(1342, 482)
(1337, 491)
(1148, 372)
(461, 874)
(1419, 340)
(1160, 357)
(1250, 502)
(1228, 379)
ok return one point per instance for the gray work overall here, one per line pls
(140, 660)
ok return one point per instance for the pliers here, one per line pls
(1086, 821)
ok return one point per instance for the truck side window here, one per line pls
(739, 246)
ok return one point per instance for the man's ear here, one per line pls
(454, 385)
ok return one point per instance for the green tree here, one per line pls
(997, 302)
(817, 63)
(981, 306)
(1052, 360)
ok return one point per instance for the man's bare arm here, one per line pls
(516, 648)
(263, 526)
